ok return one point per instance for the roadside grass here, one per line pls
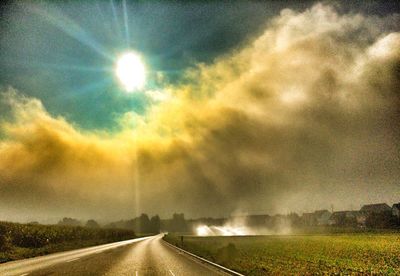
(300, 254)
(19, 241)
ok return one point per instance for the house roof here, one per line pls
(338, 214)
(380, 207)
(396, 205)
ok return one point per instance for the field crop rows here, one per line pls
(19, 241)
(307, 254)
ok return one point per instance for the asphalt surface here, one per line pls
(150, 256)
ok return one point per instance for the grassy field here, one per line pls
(302, 254)
(19, 241)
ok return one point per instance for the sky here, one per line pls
(248, 107)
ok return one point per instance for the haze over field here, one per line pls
(299, 111)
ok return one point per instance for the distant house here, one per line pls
(361, 218)
(337, 218)
(376, 208)
(322, 217)
(396, 210)
(378, 215)
(308, 219)
(347, 218)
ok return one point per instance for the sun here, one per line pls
(130, 71)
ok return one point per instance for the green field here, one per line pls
(301, 254)
(18, 241)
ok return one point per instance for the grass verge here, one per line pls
(299, 254)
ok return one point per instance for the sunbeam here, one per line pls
(115, 18)
(127, 35)
(70, 27)
(105, 21)
(60, 67)
(81, 91)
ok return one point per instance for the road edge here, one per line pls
(225, 269)
(29, 265)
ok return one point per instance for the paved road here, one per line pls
(150, 256)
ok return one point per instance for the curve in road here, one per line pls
(149, 256)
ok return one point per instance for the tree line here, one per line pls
(143, 224)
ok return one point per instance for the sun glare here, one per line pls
(130, 71)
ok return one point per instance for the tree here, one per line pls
(92, 224)
(69, 222)
(178, 223)
(4, 238)
(294, 219)
(142, 224)
(155, 223)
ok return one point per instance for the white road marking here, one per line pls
(204, 262)
(72, 260)
(171, 272)
(137, 273)
(24, 274)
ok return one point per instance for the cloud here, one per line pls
(303, 117)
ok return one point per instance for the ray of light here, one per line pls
(94, 86)
(115, 17)
(86, 89)
(111, 34)
(127, 36)
(61, 67)
(136, 183)
(71, 67)
(70, 27)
